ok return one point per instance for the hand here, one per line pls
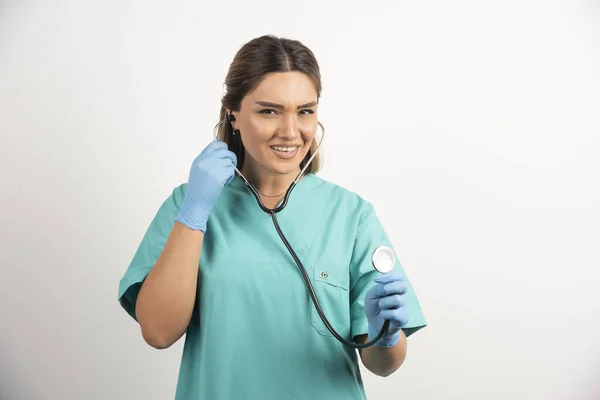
(210, 172)
(387, 301)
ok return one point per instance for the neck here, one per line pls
(269, 183)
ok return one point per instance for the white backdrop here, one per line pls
(474, 129)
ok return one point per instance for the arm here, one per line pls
(383, 361)
(166, 299)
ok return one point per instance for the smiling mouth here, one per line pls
(285, 152)
(285, 149)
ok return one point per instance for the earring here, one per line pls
(236, 131)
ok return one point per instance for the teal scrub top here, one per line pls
(254, 332)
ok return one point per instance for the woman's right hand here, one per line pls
(210, 172)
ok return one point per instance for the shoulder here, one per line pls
(173, 200)
(178, 193)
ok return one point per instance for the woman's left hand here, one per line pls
(387, 301)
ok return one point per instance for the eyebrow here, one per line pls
(279, 106)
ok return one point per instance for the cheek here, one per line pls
(310, 130)
(253, 134)
(257, 132)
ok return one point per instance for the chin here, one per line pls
(285, 168)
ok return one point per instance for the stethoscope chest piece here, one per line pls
(383, 259)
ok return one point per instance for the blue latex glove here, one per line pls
(210, 172)
(386, 300)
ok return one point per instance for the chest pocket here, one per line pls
(330, 284)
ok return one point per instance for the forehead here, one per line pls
(291, 88)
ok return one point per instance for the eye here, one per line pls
(307, 112)
(267, 111)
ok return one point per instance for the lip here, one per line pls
(284, 155)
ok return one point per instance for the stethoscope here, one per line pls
(383, 258)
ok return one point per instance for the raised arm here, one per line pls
(166, 299)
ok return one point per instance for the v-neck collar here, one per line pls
(238, 185)
(298, 220)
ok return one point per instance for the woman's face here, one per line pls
(277, 122)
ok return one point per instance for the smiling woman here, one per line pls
(273, 90)
(211, 265)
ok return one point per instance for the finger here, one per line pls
(392, 302)
(230, 178)
(372, 292)
(223, 162)
(226, 154)
(211, 148)
(397, 315)
(215, 146)
(390, 277)
(226, 173)
(221, 152)
(397, 287)
(233, 158)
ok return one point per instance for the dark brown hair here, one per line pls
(256, 59)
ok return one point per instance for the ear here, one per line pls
(234, 114)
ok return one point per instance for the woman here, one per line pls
(212, 265)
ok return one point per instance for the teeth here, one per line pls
(285, 149)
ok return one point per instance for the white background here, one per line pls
(473, 127)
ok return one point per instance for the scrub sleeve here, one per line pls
(147, 254)
(370, 235)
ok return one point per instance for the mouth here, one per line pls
(285, 152)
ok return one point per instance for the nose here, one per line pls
(289, 128)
